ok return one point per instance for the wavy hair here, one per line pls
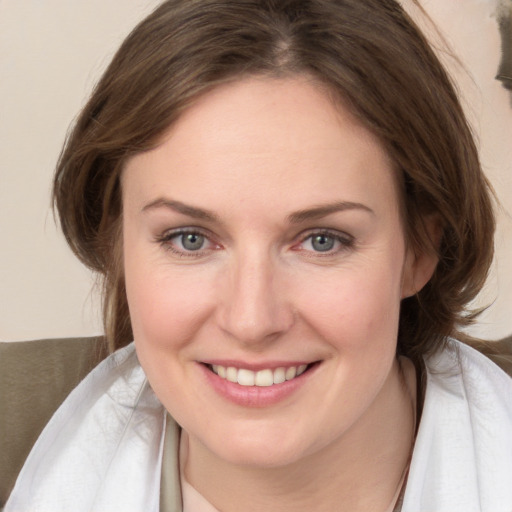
(369, 53)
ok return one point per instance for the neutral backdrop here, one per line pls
(51, 54)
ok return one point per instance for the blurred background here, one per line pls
(51, 54)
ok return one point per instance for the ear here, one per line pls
(420, 262)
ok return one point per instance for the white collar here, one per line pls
(103, 448)
(462, 458)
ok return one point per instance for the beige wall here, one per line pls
(470, 28)
(51, 53)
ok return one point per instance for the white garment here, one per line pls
(102, 450)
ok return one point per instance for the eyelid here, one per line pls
(345, 239)
(165, 238)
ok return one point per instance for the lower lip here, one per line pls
(256, 396)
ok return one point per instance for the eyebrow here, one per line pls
(318, 212)
(185, 209)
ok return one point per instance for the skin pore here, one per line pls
(265, 232)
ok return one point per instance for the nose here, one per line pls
(253, 305)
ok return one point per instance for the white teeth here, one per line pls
(291, 373)
(232, 374)
(279, 375)
(262, 378)
(301, 369)
(245, 377)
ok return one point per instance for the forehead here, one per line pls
(281, 138)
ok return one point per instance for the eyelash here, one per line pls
(165, 240)
(345, 241)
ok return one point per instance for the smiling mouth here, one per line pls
(262, 378)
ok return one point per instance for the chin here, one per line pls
(261, 448)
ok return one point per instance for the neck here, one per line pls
(363, 469)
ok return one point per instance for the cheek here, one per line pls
(165, 308)
(166, 302)
(355, 309)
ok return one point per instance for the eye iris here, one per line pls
(322, 243)
(192, 241)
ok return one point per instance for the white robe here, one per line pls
(102, 450)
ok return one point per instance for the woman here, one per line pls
(286, 205)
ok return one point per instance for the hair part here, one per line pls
(369, 53)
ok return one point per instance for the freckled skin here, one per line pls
(251, 154)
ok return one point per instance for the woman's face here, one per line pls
(263, 242)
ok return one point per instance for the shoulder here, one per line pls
(470, 367)
(102, 448)
(35, 378)
(462, 374)
(499, 352)
(462, 458)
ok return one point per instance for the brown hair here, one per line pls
(367, 52)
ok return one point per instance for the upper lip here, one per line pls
(266, 365)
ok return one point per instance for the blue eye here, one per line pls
(326, 242)
(192, 241)
(186, 242)
(322, 243)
